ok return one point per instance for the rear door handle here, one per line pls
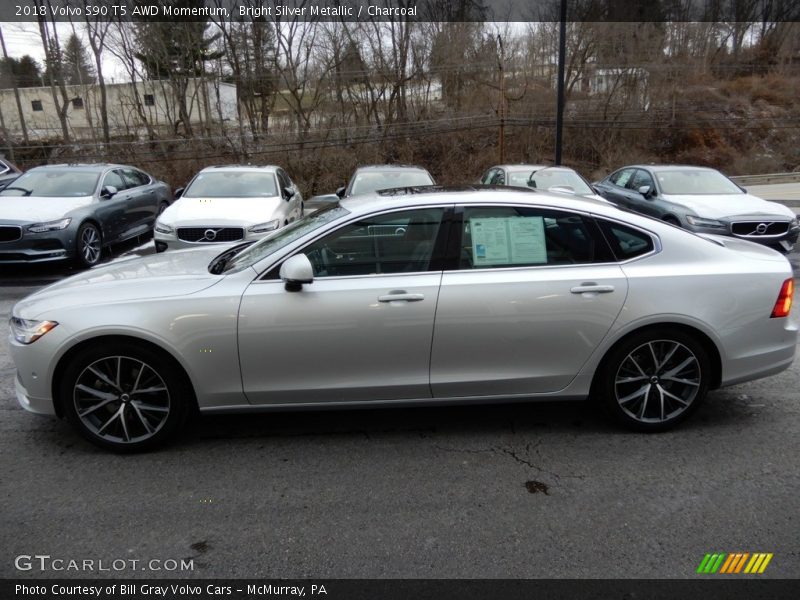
(592, 287)
(401, 296)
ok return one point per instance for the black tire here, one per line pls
(162, 207)
(645, 396)
(99, 396)
(88, 246)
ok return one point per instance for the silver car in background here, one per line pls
(404, 298)
(228, 204)
(541, 177)
(702, 200)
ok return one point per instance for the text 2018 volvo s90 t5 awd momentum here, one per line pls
(410, 298)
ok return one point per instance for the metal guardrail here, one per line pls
(767, 178)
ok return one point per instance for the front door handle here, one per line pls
(401, 296)
(592, 288)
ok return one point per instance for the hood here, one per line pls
(220, 211)
(719, 206)
(176, 273)
(34, 209)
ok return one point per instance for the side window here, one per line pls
(499, 177)
(626, 242)
(621, 177)
(487, 177)
(283, 178)
(641, 178)
(496, 237)
(114, 178)
(134, 178)
(398, 242)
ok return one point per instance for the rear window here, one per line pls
(626, 242)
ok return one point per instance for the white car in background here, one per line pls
(228, 204)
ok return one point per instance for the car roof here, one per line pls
(668, 168)
(268, 168)
(390, 168)
(520, 167)
(471, 194)
(85, 166)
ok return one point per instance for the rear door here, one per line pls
(535, 292)
(143, 202)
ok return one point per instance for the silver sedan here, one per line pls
(410, 298)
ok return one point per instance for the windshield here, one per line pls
(52, 183)
(695, 181)
(545, 179)
(372, 181)
(285, 236)
(232, 184)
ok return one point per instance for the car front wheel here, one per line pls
(89, 245)
(655, 379)
(124, 397)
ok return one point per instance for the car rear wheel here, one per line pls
(124, 397)
(89, 245)
(655, 379)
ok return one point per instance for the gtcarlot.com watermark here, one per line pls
(45, 562)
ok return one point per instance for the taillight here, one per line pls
(784, 302)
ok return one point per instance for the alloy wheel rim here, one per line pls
(657, 381)
(90, 245)
(121, 399)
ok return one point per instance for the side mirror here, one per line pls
(645, 191)
(340, 192)
(296, 271)
(178, 193)
(108, 191)
(288, 193)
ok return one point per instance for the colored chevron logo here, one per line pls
(739, 562)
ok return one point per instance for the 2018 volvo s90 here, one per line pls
(410, 297)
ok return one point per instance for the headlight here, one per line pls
(50, 226)
(701, 222)
(264, 227)
(27, 332)
(161, 228)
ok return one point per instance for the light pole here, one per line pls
(562, 51)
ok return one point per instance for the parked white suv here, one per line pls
(228, 204)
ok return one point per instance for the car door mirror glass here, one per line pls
(108, 191)
(644, 190)
(288, 193)
(296, 271)
(178, 193)
(340, 192)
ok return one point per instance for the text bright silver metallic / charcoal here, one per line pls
(414, 297)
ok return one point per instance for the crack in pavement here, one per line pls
(515, 455)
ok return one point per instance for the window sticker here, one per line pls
(508, 241)
(623, 178)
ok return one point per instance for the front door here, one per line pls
(362, 330)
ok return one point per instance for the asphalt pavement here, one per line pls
(507, 491)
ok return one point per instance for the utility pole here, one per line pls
(16, 90)
(562, 51)
(502, 111)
